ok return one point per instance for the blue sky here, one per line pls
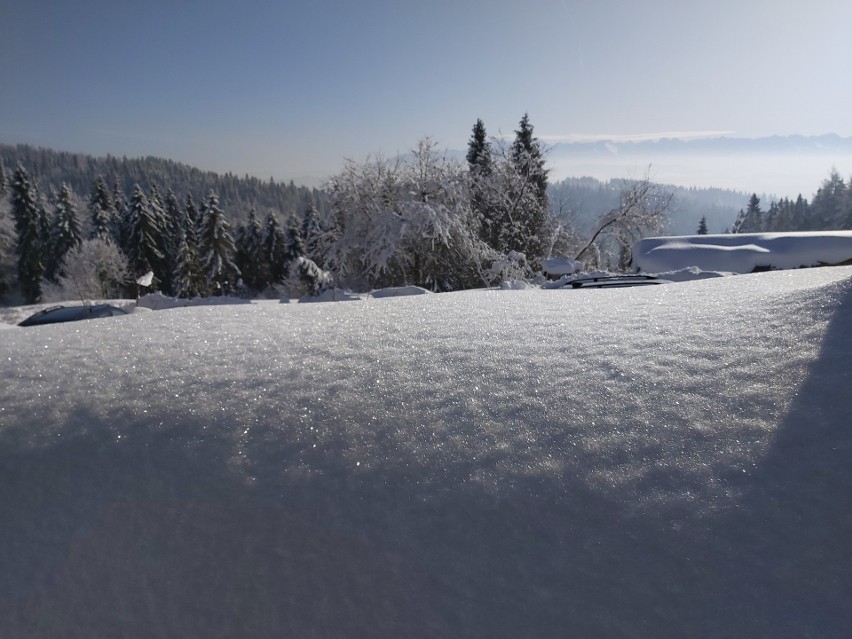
(288, 89)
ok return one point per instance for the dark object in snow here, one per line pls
(615, 281)
(56, 314)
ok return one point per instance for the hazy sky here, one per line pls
(287, 89)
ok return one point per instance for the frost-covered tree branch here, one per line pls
(643, 209)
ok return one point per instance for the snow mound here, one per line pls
(515, 285)
(743, 253)
(159, 302)
(664, 461)
(561, 266)
(331, 295)
(399, 291)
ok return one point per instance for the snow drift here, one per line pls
(667, 461)
(743, 252)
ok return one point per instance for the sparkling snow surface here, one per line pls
(659, 461)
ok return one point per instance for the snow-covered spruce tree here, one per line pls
(306, 278)
(702, 226)
(119, 202)
(65, 234)
(8, 240)
(406, 222)
(96, 269)
(294, 246)
(30, 246)
(248, 239)
(275, 249)
(102, 212)
(315, 235)
(142, 238)
(4, 180)
(217, 250)
(481, 169)
(189, 279)
(525, 222)
(170, 239)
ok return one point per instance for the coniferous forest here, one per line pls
(74, 226)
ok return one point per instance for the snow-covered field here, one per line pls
(667, 461)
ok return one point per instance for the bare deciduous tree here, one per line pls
(642, 210)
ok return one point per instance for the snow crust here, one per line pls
(743, 252)
(663, 461)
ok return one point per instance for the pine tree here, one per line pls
(102, 211)
(702, 226)
(65, 234)
(143, 232)
(216, 248)
(25, 211)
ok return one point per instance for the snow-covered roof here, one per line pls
(743, 252)
(659, 461)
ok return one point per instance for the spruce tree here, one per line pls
(65, 234)
(4, 180)
(524, 223)
(702, 226)
(25, 211)
(528, 159)
(479, 151)
(294, 246)
(119, 202)
(250, 261)
(142, 242)
(170, 240)
(313, 234)
(189, 280)
(216, 248)
(480, 170)
(274, 249)
(101, 211)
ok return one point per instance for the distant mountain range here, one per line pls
(774, 167)
(819, 144)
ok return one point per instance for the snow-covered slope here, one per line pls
(663, 461)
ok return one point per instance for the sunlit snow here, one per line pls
(658, 461)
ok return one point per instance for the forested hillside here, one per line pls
(579, 201)
(237, 195)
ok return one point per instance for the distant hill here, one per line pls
(237, 195)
